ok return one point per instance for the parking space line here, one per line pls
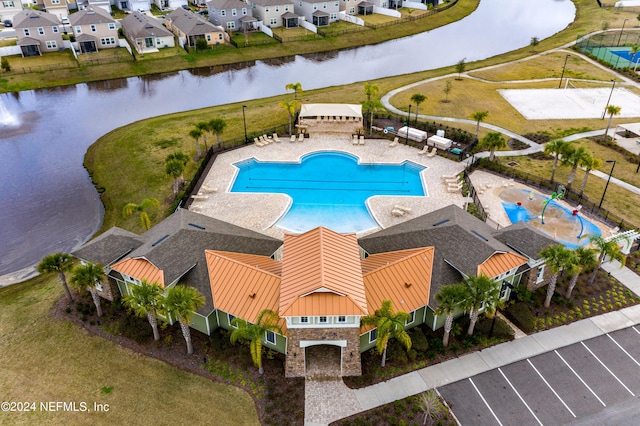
(552, 389)
(521, 398)
(580, 378)
(607, 368)
(485, 402)
(624, 350)
(635, 329)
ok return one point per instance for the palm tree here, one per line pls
(144, 299)
(291, 107)
(417, 98)
(479, 116)
(296, 87)
(59, 263)
(611, 110)
(389, 325)
(450, 298)
(493, 141)
(267, 320)
(204, 127)
(142, 207)
(584, 258)
(86, 277)
(175, 168)
(574, 157)
(534, 42)
(555, 148)
(589, 163)
(481, 292)
(605, 248)
(557, 258)
(460, 67)
(181, 302)
(634, 51)
(217, 126)
(372, 103)
(196, 134)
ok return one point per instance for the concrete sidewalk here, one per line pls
(506, 353)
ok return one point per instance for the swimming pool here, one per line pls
(559, 222)
(328, 188)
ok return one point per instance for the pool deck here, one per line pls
(260, 212)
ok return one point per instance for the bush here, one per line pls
(4, 64)
(521, 316)
(419, 341)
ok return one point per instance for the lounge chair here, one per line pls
(276, 138)
(424, 150)
(354, 140)
(433, 152)
(207, 189)
(395, 142)
(301, 137)
(402, 208)
(453, 176)
(397, 212)
(318, 119)
(293, 138)
(200, 197)
(361, 140)
(450, 189)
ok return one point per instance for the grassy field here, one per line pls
(46, 359)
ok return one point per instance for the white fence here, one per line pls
(265, 29)
(350, 18)
(308, 25)
(10, 50)
(414, 5)
(385, 11)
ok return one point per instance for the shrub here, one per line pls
(419, 341)
(4, 64)
(521, 316)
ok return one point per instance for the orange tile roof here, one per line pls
(242, 289)
(321, 274)
(499, 263)
(404, 277)
(140, 268)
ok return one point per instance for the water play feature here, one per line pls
(566, 226)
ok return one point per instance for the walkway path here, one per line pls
(478, 362)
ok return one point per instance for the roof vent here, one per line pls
(479, 235)
(252, 294)
(407, 284)
(160, 240)
(192, 224)
(441, 222)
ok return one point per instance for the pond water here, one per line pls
(47, 201)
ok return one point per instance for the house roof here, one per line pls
(86, 37)
(271, 2)
(316, 110)
(191, 23)
(524, 238)
(227, 4)
(34, 18)
(28, 41)
(321, 275)
(137, 25)
(140, 268)
(289, 15)
(462, 243)
(319, 13)
(109, 247)
(90, 16)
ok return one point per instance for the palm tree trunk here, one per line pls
(550, 290)
(260, 369)
(186, 333)
(448, 324)
(371, 122)
(218, 138)
(96, 300)
(198, 148)
(153, 322)
(553, 169)
(477, 128)
(384, 356)
(290, 124)
(584, 181)
(176, 185)
(417, 112)
(595, 270)
(608, 125)
(472, 323)
(63, 281)
(572, 285)
(492, 153)
(572, 176)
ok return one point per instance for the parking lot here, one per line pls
(598, 379)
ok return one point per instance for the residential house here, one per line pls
(189, 27)
(199, 3)
(9, 9)
(134, 5)
(37, 32)
(319, 13)
(170, 4)
(274, 13)
(102, 4)
(60, 8)
(146, 34)
(350, 7)
(233, 15)
(94, 29)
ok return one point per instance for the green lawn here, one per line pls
(48, 360)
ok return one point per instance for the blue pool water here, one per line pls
(559, 223)
(328, 188)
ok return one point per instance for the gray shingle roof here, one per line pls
(34, 18)
(272, 2)
(227, 4)
(90, 16)
(524, 239)
(109, 247)
(461, 242)
(191, 23)
(137, 25)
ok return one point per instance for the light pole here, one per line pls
(244, 120)
(607, 185)
(563, 67)
(408, 122)
(503, 286)
(608, 100)
(621, 30)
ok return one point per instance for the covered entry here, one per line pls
(87, 43)
(323, 359)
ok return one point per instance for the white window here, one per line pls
(304, 320)
(277, 8)
(208, 36)
(322, 320)
(336, 4)
(52, 45)
(108, 41)
(342, 319)
(352, 10)
(55, 29)
(26, 32)
(93, 28)
(271, 337)
(219, 36)
(540, 276)
(55, 1)
(231, 317)
(412, 317)
(112, 26)
(244, 11)
(7, 4)
(300, 4)
(286, 8)
(234, 12)
(273, 21)
(231, 25)
(266, 9)
(373, 335)
(223, 13)
(78, 29)
(324, 5)
(315, 6)
(40, 30)
(333, 16)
